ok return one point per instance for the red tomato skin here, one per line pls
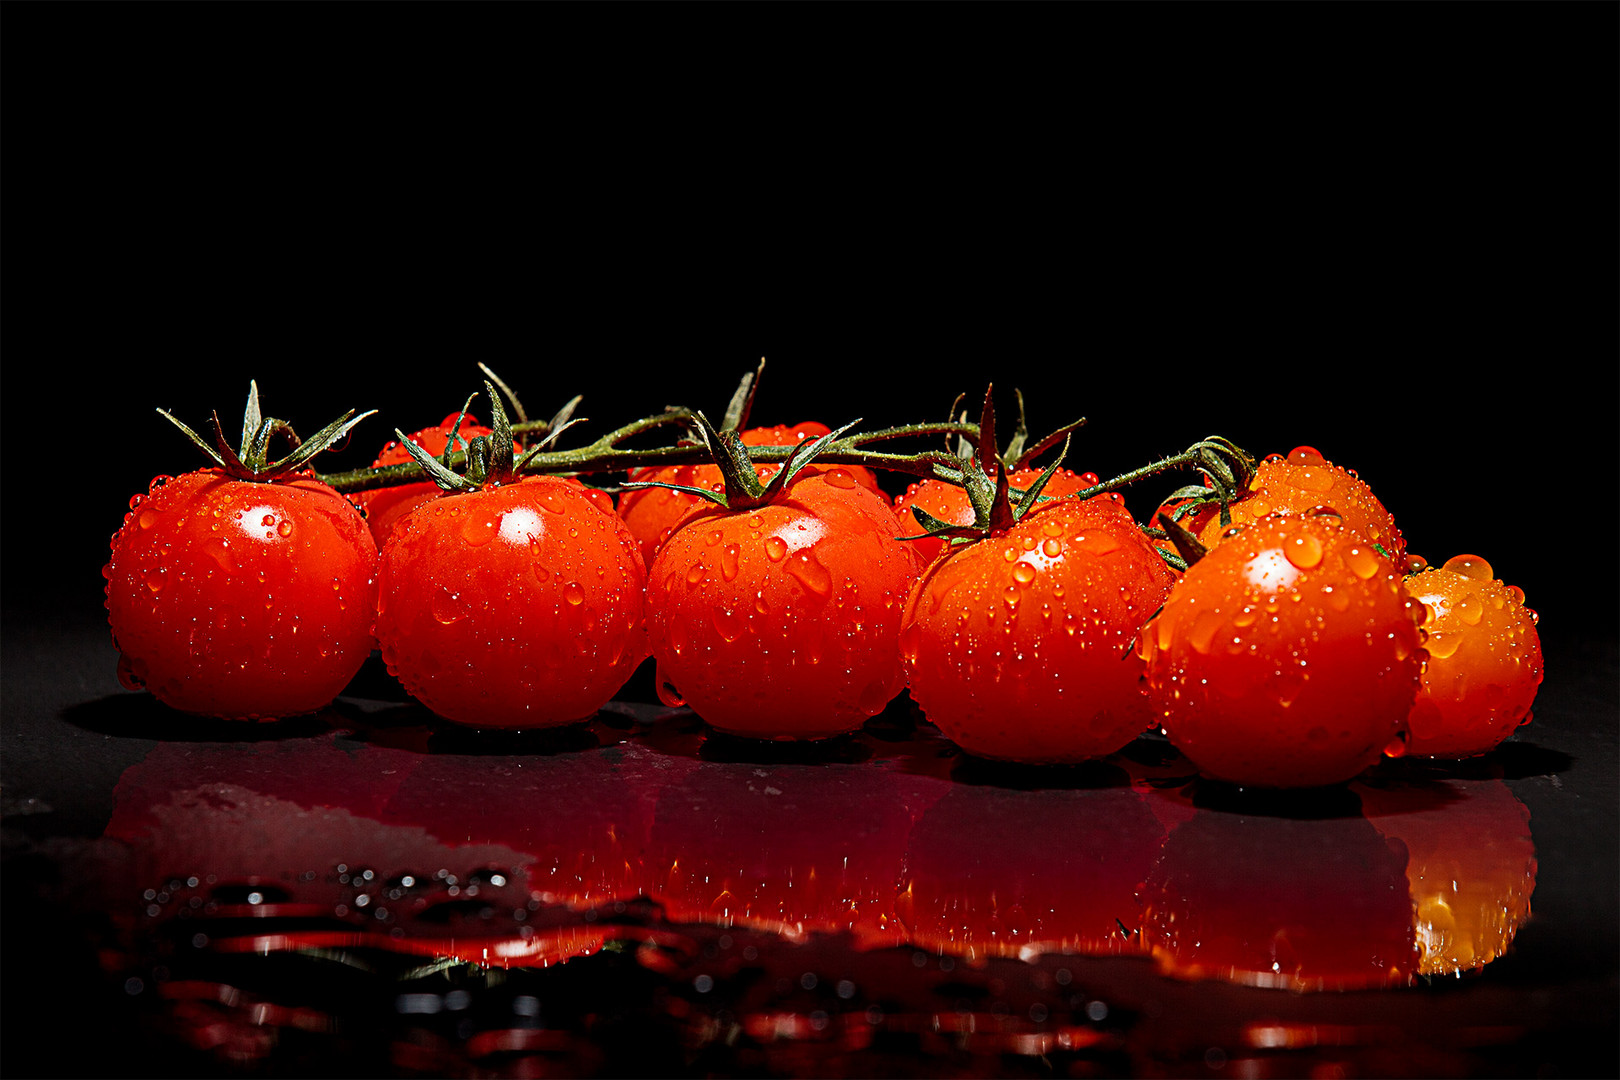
(1019, 647)
(518, 606)
(651, 512)
(238, 599)
(782, 622)
(1288, 656)
(1299, 483)
(948, 502)
(1484, 665)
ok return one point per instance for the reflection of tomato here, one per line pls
(750, 845)
(1484, 660)
(514, 606)
(949, 502)
(1471, 866)
(1019, 646)
(781, 622)
(984, 877)
(1286, 657)
(651, 512)
(1301, 482)
(1276, 901)
(241, 599)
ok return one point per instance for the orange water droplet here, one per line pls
(729, 562)
(695, 572)
(1442, 645)
(1304, 552)
(1470, 566)
(268, 520)
(1052, 528)
(1328, 514)
(1363, 562)
(714, 538)
(553, 501)
(807, 571)
(447, 607)
(285, 528)
(726, 624)
(775, 548)
(1305, 455)
(1517, 593)
(1052, 548)
(1470, 610)
(1023, 573)
(1203, 630)
(839, 478)
(477, 530)
(574, 593)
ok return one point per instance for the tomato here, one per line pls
(650, 512)
(512, 606)
(241, 599)
(385, 506)
(781, 622)
(1288, 656)
(949, 502)
(1019, 646)
(1301, 482)
(1484, 660)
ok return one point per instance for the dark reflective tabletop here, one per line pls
(369, 891)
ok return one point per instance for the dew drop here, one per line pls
(1052, 548)
(1470, 566)
(775, 548)
(1470, 610)
(694, 574)
(1363, 562)
(1304, 552)
(726, 624)
(1023, 573)
(714, 538)
(808, 571)
(285, 528)
(574, 593)
(1306, 455)
(728, 562)
(839, 478)
(1328, 514)
(666, 689)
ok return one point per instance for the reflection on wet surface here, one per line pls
(642, 898)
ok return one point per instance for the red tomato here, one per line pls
(1484, 660)
(650, 512)
(385, 506)
(781, 622)
(1299, 483)
(513, 606)
(1288, 656)
(1019, 646)
(241, 599)
(949, 502)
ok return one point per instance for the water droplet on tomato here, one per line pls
(268, 520)
(726, 624)
(695, 572)
(1306, 455)
(1470, 566)
(714, 537)
(729, 562)
(1363, 562)
(775, 548)
(573, 593)
(1304, 552)
(1470, 610)
(1052, 548)
(666, 689)
(839, 478)
(1328, 514)
(1023, 573)
(447, 607)
(808, 571)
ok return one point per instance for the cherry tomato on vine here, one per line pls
(1484, 662)
(650, 512)
(949, 502)
(1288, 656)
(1299, 483)
(518, 605)
(781, 621)
(241, 599)
(1018, 646)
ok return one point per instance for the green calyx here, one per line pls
(251, 460)
(490, 460)
(997, 506)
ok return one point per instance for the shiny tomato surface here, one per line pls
(515, 606)
(1019, 646)
(241, 599)
(1485, 662)
(1289, 656)
(781, 622)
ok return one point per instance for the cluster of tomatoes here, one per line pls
(1300, 647)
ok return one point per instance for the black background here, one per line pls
(1390, 237)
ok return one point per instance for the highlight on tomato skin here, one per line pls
(652, 512)
(1300, 482)
(514, 606)
(1288, 656)
(1018, 646)
(1484, 660)
(240, 599)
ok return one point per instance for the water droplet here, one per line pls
(726, 624)
(574, 593)
(1363, 562)
(1306, 455)
(695, 572)
(1442, 645)
(775, 548)
(809, 572)
(1470, 610)
(714, 538)
(1052, 548)
(1304, 551)
(666, 689)
(1396, 747)
(268, 520)
(1470, 566)
(839, 478)
(447, 607)
(728, 562)
(1328, 514)
(285, 528)
(1023, 573)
